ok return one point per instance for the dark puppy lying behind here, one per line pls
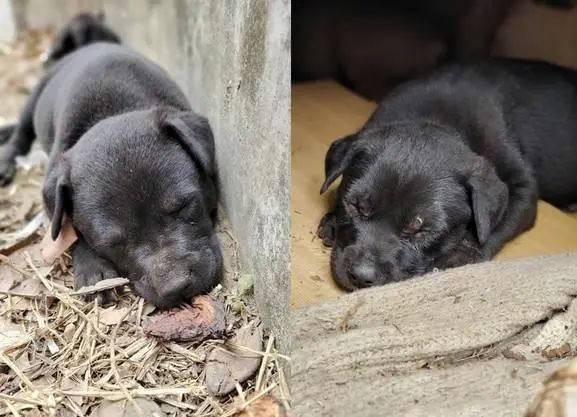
(131, 165)
(83, 30)
(449, 168)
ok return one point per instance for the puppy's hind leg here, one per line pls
(20, 142)
(89, 268)
(326, 230)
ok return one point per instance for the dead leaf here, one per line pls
(266, 406)
(12, 335)
(53, 249)
(21, 304)
(557, 353)
(68, 384)
(205, 319)
(105, 284)
(125, 408)
(113, 315)
(23, 237)
(30, 287)
(6, 283)
(512, 354)
(224, 366)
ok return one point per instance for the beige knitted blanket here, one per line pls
(474, 341)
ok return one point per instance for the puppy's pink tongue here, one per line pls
(52, 249)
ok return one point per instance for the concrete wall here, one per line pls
(232, 57)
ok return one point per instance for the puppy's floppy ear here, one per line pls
(489, 198)
(57, 194)
(62, 45)
(337, 159)
(195, 135)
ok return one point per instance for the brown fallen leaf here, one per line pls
(53, 249)
(225, 366)
(205, 319)
(266, 406)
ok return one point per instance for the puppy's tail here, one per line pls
(84, 29)
(6, 131)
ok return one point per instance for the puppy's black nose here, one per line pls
(363, 274)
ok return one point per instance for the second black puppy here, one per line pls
(131, 166)
(449, 168)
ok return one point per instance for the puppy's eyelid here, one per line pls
(415, 226)
(362, 206)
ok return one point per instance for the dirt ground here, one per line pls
(61, 355)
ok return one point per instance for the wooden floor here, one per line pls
(323, 112)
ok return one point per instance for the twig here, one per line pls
(10, 407)
(22, 400)
(17, 371)
(264, 363)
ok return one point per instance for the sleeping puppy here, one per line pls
(449, 168)
(83, 29)
(131, 166)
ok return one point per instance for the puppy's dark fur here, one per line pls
(449, 168)
(131, 165)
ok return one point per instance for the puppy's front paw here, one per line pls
(326, 230)
(7, 170)
(88, 270)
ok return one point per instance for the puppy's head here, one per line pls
(140, 190)
(412, 198)
(82, 30)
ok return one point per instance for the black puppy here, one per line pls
(84, 29)
(131, 165)
(449, 168)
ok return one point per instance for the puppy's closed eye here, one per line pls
(414, 227)
(180, 206)
(361, 206)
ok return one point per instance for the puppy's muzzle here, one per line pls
(364, 270)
